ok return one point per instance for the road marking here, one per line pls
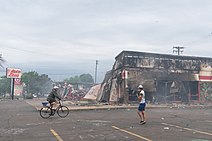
(37, 108)
(131, 133)
(94, 121)
(56, 135)
(208, 121)
(189, 129)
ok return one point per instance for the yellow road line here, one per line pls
(56, 135)
(131, 133)
(189, 129)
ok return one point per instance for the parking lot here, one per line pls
(20, 121)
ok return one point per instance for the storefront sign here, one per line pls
(13, 73)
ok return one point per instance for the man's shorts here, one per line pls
(141, 107)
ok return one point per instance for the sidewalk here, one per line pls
(84, 105)
(80, 107)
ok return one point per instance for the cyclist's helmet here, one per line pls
(55, 87)
(140, 86)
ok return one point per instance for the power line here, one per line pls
(27, 51)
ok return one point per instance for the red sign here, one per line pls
(17, 81)
(205, 78)
(124, 74)
(13, 73)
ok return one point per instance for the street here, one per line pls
(21, 122)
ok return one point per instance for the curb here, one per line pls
(113, 107)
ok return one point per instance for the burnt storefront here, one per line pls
(166, 78)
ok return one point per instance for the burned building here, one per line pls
(166, 78)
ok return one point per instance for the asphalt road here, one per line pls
(20, 121)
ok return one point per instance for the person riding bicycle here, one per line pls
(53, 95)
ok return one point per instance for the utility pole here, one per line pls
(12, 87)
(178, 50)
(96, 71)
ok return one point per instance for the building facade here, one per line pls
(165, 78)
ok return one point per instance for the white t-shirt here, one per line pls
(143, 96)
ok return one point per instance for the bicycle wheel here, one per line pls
(45, 112)
(63, 111)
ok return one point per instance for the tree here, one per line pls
(84, 79)
(4, 81)
(35, 83)
(4, 85)
(1, 61)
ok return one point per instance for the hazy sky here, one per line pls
(64, 37)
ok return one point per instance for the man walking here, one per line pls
(142, 104)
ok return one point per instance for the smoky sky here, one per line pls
(67, 36)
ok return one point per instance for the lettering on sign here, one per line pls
(13, 73)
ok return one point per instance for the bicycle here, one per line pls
(47, 111)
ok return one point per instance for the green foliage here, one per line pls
(35, 83)
(3, 80)
(4, 85)
(1, 60)
(85, 79)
